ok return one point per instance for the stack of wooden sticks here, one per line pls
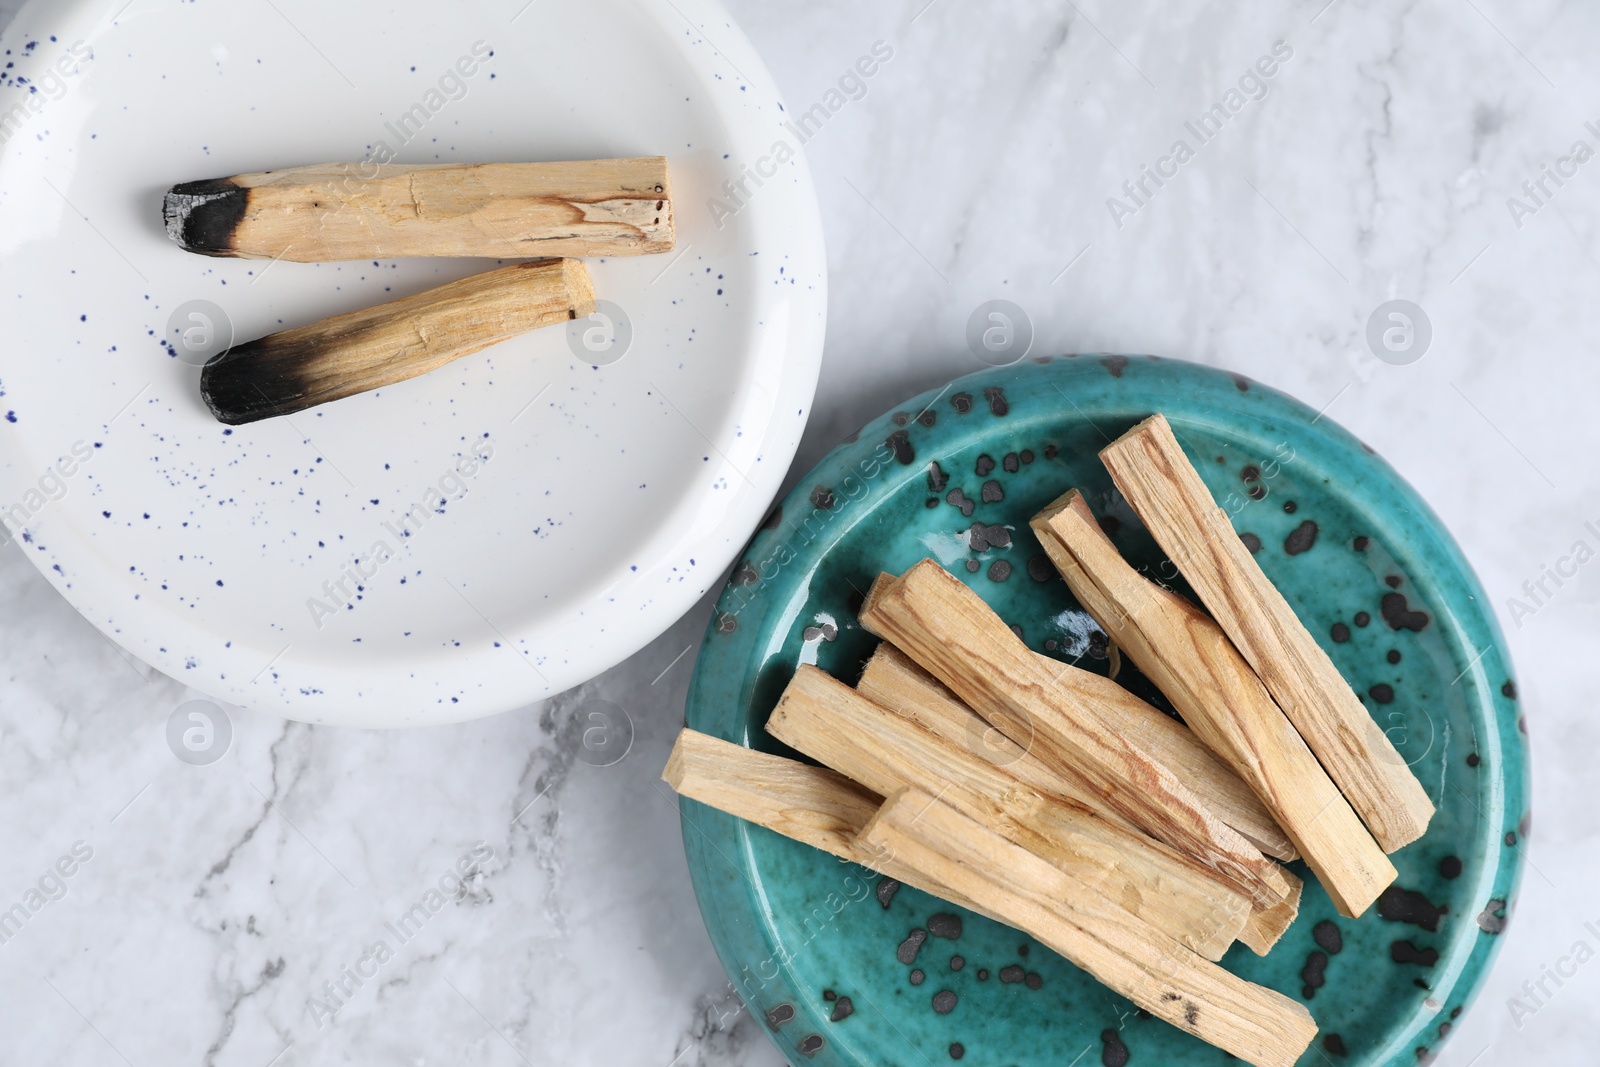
(1053, 800)
(357, 211)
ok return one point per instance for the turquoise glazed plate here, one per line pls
(838, 970)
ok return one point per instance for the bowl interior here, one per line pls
(451, 546)
(956, 475)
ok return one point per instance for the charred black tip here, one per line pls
(203, 216)
(247, 384)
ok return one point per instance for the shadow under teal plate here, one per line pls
(955, 475)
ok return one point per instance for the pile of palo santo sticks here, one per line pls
(374, 211)
(1053, 800)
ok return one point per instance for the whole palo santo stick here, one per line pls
(1149, 467)
(339, 211)
(883, 751)
(812, 805)
(364, 350)
(1192, 661)
(954, 635)
(894, 680)
(1256, 1024)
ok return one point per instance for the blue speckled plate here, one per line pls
(1361, 558)
(455, 545)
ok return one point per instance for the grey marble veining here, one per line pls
(221, 904)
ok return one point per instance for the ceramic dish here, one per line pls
(626, 461)
(1361, 558)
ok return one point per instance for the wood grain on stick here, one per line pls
(1266, 925)
(884, 751)
(948, 629)
(1191, 660)
(869, 603)
(343, 211)
(1171, 743)
(812, 805)
(1256, 1024)
(1150, 468)
(368, 349)
(893, 679)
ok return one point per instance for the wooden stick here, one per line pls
(1256, 1024)
(952, 633)
(1150, 468)
(339, 211)
(1171, 743)
(1266, 925)
(892, 679)
(812, 805)
(1192, 661)
(1168, 741)
(369, 349)
(869, 603)
(838, 726)
(1165, 739)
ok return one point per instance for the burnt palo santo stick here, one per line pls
(1150, 468)
(955, 636)
(838, 726)
(342, 211)
(364, 350)
(1191, 660)
(1256, 1024)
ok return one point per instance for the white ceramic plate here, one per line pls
(612, 496)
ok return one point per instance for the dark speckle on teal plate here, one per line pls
(956, 474)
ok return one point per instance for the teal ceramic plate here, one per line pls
(809, 945)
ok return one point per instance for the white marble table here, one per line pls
(978, 164)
